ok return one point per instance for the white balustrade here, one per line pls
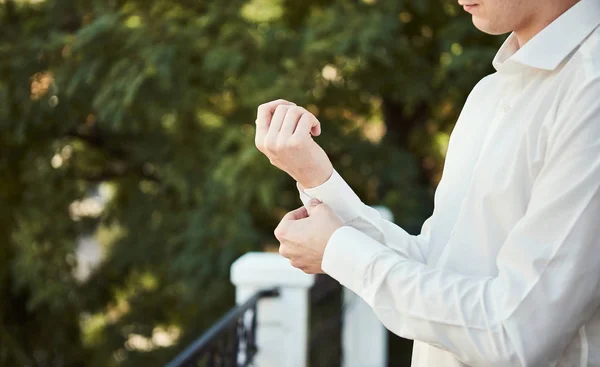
(282, 322)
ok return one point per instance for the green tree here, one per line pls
(153, 103)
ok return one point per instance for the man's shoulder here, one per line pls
(577, 90)
(585, 62)
(578, 80)
(590, 48)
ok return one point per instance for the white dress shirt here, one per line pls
(506, 271)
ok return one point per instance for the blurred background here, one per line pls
(129, 177)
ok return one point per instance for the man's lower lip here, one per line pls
(468, 8)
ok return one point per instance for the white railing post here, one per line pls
(364, 338)
(282, 322)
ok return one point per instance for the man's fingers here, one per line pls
(271, 140)
(264, 115)
(278, 118)
(308, 124)
(292, 117)
(266, 110)
(316, 129)
(297, 214)
(287, 222)
(288, 250)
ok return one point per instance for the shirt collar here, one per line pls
(553, 44)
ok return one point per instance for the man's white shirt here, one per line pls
(506, 271)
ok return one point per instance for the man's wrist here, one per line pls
(315, 180)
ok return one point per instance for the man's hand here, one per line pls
(284, 134)
(303, 235)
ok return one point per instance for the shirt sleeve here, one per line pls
(338, 195)
(547, 285)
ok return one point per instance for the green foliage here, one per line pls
(154, 102)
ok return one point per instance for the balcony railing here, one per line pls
(280, 336)
(231, 342)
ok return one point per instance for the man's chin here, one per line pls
(484, 26)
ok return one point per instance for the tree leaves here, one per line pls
(157, 100)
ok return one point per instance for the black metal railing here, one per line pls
(231, 342)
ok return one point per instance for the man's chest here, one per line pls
(495, 153)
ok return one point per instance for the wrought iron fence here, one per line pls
(231, 342)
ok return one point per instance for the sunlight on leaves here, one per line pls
(133, 21)
(259, 11)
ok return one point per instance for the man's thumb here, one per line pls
(313, 203)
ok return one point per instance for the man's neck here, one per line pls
(544, 15)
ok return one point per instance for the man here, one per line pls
(506, 271)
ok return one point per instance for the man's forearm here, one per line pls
(344, 202)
